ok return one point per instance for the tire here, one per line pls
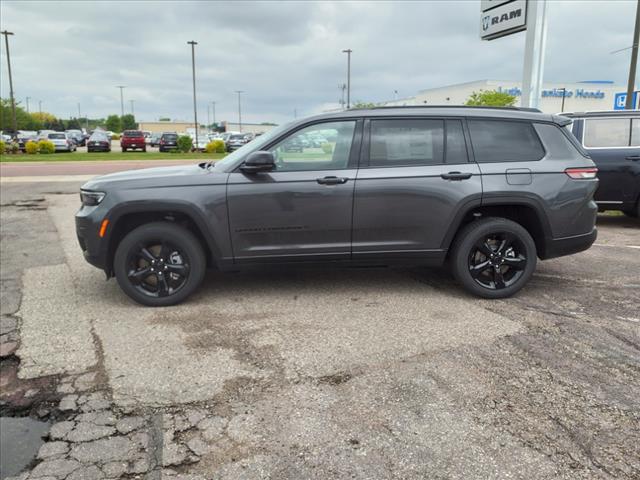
(182, 253)
(502, 275)
(144, 149)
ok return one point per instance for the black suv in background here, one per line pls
(168, 141)
(612, 140)
(488, 190)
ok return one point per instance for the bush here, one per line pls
(3, 147)
(215, 146)
(31, 147)
(327, 148)
(14, 148)
(184, 143)
(115, 136)
(46, 147)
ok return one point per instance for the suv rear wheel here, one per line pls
(493, 257)
(159, 264)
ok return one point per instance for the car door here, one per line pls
(614, 145)
(302, 210)
(414, 178)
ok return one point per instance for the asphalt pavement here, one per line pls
(333, 373)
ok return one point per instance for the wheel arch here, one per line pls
(126, 217)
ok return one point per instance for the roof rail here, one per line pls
(523, 109)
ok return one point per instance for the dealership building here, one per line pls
(579, 96)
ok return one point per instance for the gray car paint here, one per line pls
(398, 211)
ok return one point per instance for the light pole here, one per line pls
(28, 104)
(79, 114)
(632, 68)
(213, 110)
(239, 92)
(40, 108)
(133, 112)
(342, 88)
(208, 117)
(348, 52)
(564, 94)
(121, 87)
(193, 71)
(13, 100)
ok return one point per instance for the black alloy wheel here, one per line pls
(497, 261)
(493, 257)
(159, 264)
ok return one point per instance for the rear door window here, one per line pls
(504, 141)
(607, 132)
(406, 142)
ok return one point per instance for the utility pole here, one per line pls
(121, 87)
(79, 114)
(348, 52)
(634, 61)
(239, 92)
(28, 104)
(133, 112)
(342, 88)
(213, 110)
(40, 108)
(295, 113)
(13, 100)
(208, 116)
(193, 71)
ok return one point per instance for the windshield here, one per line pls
(133, 133)
(253, 146)
(57, 136)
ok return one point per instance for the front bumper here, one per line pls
(90, 243)
(558, 247)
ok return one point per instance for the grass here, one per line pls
(109, 156)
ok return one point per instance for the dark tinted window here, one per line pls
(456, 148)
(170, 136)
(406, 142)
(501, 141)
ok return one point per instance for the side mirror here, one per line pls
(259, 161)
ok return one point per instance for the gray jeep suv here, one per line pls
(488, 190)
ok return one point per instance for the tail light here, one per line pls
(582, 173)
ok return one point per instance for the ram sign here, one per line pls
(502, 18)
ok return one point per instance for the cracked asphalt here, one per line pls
(295, 374)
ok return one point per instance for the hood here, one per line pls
(148, 177)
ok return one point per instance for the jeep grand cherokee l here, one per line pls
(488, 190)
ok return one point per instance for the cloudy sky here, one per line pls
(286, 56)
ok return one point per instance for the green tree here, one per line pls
(24, 121)
(360, 104)
(128, 122)
(113, 123)
(490, 98)
(73, 124)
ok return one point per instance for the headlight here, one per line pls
(91, 199)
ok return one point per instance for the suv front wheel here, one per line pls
(493, 257)
(159, 264)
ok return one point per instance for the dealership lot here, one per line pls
(375, 373)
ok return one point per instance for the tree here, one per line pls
(24, 121)
(491, 98)
(128, 122)
(113, 123)
(360, 104)
(73, 124)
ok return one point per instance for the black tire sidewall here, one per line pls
(178, 236)
(470, 234)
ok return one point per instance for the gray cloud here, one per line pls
(285, 55)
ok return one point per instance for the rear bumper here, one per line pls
(558, 247)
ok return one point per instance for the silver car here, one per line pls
(62, 142)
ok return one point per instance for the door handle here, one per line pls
(456, 175)
(633, 158)
(332, 180)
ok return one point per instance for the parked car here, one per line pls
(236, 141)
(25, 136)
(491, 190)
(168, 141)
(62, 142)
(612, 140)
(133, 140)
(98, 142)
(44, 134)
(203, 140)
(77, 137)
(154, 139)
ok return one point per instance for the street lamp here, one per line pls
(239, 92)
(121, 87)
(193, 71)
(13, 100)
(348, 52)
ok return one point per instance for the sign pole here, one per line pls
(634, 62)
(534, 51)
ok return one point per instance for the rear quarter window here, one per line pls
(504, 141)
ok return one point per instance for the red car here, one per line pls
(132, 140)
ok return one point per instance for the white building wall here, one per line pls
(580, 96)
